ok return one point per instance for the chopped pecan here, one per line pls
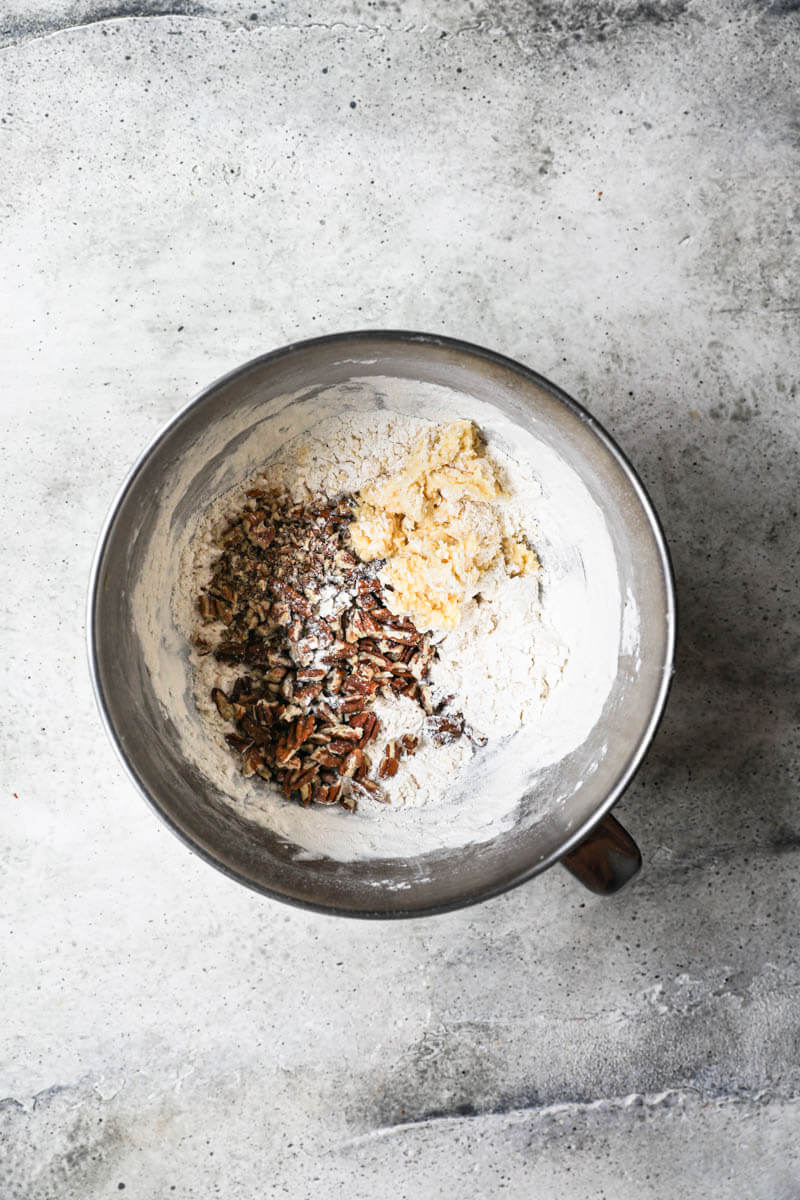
(255, 732)
(251, 760)
(311, 674)
(237, 742)
(334, 680)
(244, 689)
(327, 794)
(306, 702)
(302, 728)
(345, 731)
(287, 712)
(305, 695)
(207, 607)
(339, 651)
(446, 729)
(327, 714)
(326, 757)
(342, 746)
(224, 707)
(360, 687)
(230, 652)
(369, 728)
(372, 788)
(390, 762)
(352, 764)
(263, 712)
(407, 636)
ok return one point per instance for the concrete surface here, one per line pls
(608, 192)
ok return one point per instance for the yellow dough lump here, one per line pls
(438, 525)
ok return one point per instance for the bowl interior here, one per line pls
(141, 663)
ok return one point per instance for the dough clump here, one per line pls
(439, 524)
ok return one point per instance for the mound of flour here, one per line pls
(532, 654)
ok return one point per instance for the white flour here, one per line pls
(530, 664)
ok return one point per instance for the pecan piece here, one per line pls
(243, 690)
(334, 681)
(311, 674)
(345, 731)
(296, 600)
(237, 742)
(360, 687)
(305, 695)
(207, 607)
(327, 793)
(251, 760)
(224, 612)
(408, 637)
(255, 732)
(224, 707)
(305, 774)
(390, 761)
(352, 764)
(326, 758)
(263, 712)
(446, 729)
(362, 624)
(368, 729)
(296, 629)
(230, 652)
(372, 789)
(327, 714)
(338, 652)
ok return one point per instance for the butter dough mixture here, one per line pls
(437, 523)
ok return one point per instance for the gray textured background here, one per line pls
(610, 193)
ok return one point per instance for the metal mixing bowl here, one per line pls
(578, 830)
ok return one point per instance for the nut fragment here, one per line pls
(372, 789)
(207, 607)
(328, 794)
(352, 764)
(446, 729)
(251, 760)
(389, 766)
(347, 732)
(237, 742)
(224, 707)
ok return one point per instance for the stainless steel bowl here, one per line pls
(578, 830)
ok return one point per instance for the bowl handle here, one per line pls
(606, 860)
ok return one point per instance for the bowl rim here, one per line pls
(471, 350)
